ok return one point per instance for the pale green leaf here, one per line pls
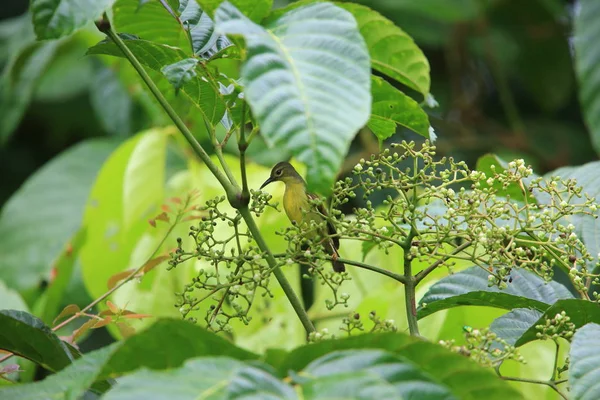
(307, 81)
(126, 194)
(53, 19)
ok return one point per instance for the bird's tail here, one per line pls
(338, 266)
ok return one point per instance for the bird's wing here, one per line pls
(330, 228)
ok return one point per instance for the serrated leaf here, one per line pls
(53, 19)
(27, 336)
(46, 211)
(587, 65)
(307, 81)
(393, 52)
(512, 325)
(584, 369)
(469, 287)
(18, 82)
(155, 56)
(580, 312)
(351, 385)
(391, 107)
(181, 72)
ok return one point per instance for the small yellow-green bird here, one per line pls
(297, 207)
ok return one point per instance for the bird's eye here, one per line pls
(278, 172)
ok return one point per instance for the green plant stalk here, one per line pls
(283, 282)
(233, 193)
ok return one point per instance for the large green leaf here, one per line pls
(587, 226)
(27, 336)
(470, 287)
(156, 56)
(46, 211)
(256, 10)
(18, 82)
(150, 21)
(391, 107)
(53, 19)
(393, 52)
(439, 364)
(127, 192)
(512, 325)
(403, 378)
(580, 312)
(584, 370)
(203, 378)
(307, 81)
(167, 344)
(587, 63)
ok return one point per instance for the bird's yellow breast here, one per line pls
(295, 201)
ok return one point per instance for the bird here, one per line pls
(296, 203)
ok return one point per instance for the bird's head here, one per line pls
(283, 172)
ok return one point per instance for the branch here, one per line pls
(233, 192)
(421, 275)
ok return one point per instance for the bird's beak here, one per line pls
(267, 182)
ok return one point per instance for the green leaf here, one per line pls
(165, 345)
(46, 211)
(151, 22)
(69, 383)
(587, 226)
(512, 325)
(62, 268)
(351, 385)
(256, 10)
(584, 369)
(393, 52)
(439, 364)
(491, 165)
(180, 72)
(155, 56)
(397, 375)
(11, 299)
(307, 81)
(206, 42)
(579, 311)
(53, 19)
(27, 336)
(126, 194)
(18, 82)
(470, 287)
(202, 378)
(111, 101)
(391, 107)
(587, 65)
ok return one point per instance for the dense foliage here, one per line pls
(146, 262)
